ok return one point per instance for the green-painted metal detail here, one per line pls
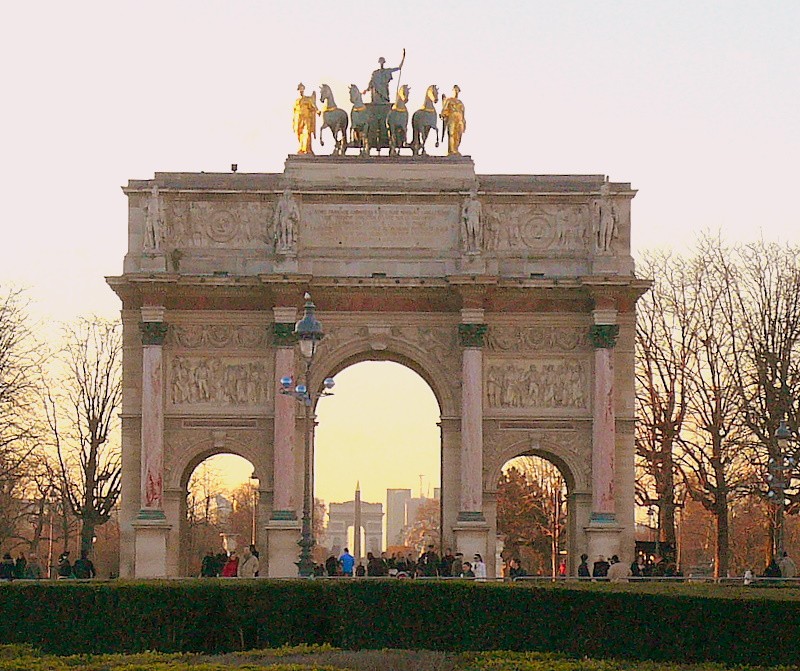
(472, 335)
(151, 514)
(153, 333)
(604, 336)
(283, 334)
(284, 515)
(471, 516)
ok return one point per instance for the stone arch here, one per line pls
(443, 384)
(187, 457)
(569, 461)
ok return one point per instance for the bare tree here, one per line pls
(20, 357)
(83, 418)
(666, 338)
(713, 458)
(765, 328)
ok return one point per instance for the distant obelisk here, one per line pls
(357, 524)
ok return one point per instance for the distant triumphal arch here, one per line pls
(513, 296)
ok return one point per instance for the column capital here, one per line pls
(472, 335)
(604, 336)
(153, 332)
(283, 334)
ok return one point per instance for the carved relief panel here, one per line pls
(219, 224)
(219, 381)
(545, 384)
(543, 227)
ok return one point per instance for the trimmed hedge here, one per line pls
(213, 616)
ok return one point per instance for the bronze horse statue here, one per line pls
(423, 120)
(359, 121)
(397, 122)
(333, 118)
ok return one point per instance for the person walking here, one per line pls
(208, 567)
(33, 569)
(7, 567)
(64, 569)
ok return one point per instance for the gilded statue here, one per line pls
(454, 121)
(304, 122)
(379, 82)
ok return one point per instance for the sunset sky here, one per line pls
(695, 103)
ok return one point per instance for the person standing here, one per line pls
(64, 566)
(600, 568)
(787, 566)
(479, 567)
(231, 568)
(7, 567)
(33, 569)
(84, 568)
(248, 568)
(347, 562)
(208, 567)
(583, 567)
(618, 571)
(458, 565)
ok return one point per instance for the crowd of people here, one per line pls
(427, 565)
(29, 568)
(229, 565)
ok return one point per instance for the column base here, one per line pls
(472, 537)
(604, 539)
(283, 551)
(151, 530)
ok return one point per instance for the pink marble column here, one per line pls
(603, 427)
(471, 501)
(152, 456)
(284, 504)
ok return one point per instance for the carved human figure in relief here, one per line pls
(455, 121)
(154, 222)
(605, 221)
(472, 224)
(285, 220)
(304, 119)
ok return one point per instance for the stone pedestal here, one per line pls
(283, 548)
(151, 547)
(473, 538)
(602, 540)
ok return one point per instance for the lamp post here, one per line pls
(308, 332)
(777, 477)
(254, 530)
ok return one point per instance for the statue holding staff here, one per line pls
(304, 120)
(455, 121)
(379, 82)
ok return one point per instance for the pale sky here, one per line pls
(695, 103)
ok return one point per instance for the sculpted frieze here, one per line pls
(557, 227)
(537, 339)
(545, 384)
(219, 224)
(218, 381)
(214, 336)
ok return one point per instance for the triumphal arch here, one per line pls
(513, 296)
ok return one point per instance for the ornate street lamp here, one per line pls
(309, 332)
(777, 478)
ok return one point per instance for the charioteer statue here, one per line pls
(380, 124)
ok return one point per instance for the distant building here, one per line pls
(401, 513)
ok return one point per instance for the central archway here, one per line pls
(379, 432)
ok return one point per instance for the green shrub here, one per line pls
(599, 621)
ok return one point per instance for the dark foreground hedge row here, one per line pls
(225, 615)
